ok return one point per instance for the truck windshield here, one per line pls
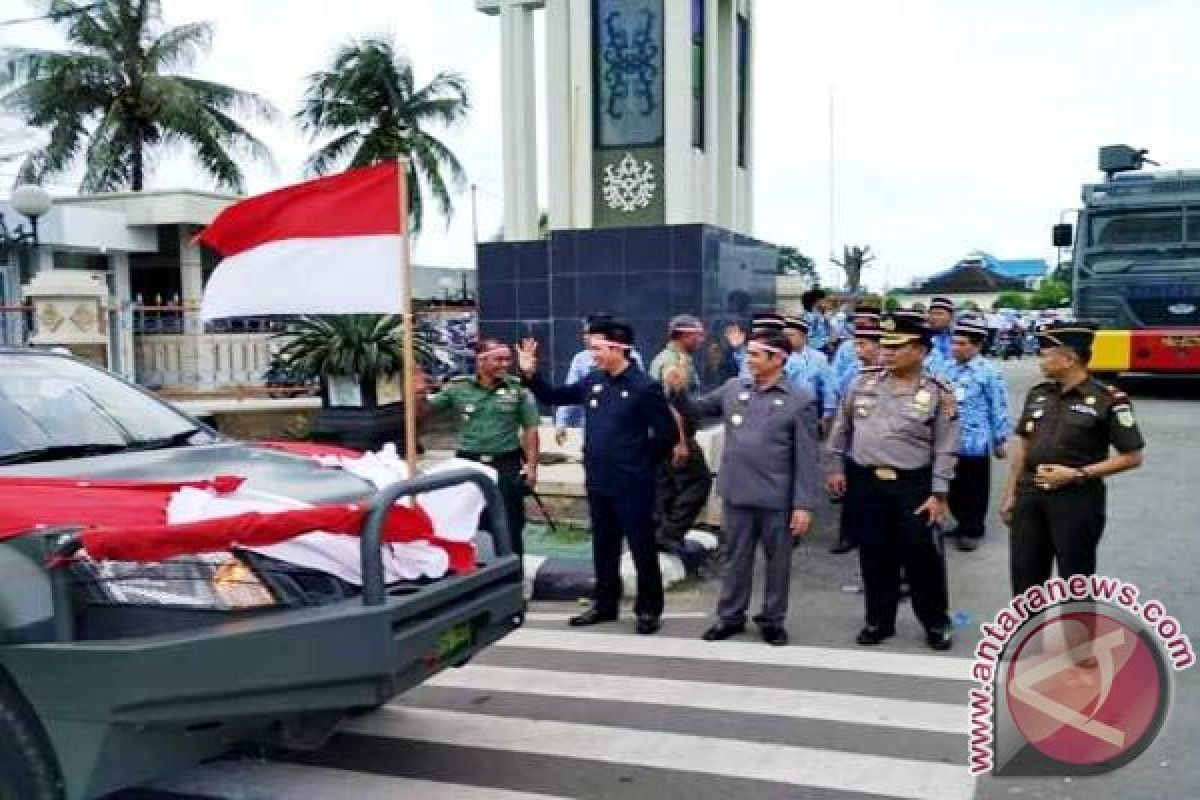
(1138, 228)
(52, 405)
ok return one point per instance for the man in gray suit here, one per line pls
(769, 481)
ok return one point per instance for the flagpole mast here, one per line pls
(410, 361)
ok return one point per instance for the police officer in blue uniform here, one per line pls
(630, 432)
(985, 429)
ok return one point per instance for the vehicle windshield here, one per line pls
(49, 403)
(1124, 229)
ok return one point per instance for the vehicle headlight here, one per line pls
(216, 581)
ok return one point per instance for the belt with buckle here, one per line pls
(488, 458)
(885, 473)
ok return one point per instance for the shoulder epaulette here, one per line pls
(1115, 391)
(938, 382)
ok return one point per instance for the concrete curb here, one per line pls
(567, 580)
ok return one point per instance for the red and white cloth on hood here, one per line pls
(154, 521)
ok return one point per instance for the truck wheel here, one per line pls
(27, 767)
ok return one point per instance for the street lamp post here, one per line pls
(32, 202)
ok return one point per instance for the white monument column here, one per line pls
(518, 86)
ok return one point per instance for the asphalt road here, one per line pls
(605, 714)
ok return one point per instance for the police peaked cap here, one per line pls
(615, 332)
(944, 303)
(971, 327)
(1077, 336)
(904, 327)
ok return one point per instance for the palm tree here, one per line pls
(854, 260)
(367, 100)
(116, 98)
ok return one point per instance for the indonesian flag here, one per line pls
(329, 246)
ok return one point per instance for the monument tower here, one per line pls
(649, 168)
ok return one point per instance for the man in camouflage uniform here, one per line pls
(499, 427)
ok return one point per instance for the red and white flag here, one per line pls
(328, 246)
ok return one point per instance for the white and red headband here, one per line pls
(496, 351)
(766, 348)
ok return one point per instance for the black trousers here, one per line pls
(512, 489)
(847, 521)
(625, 518)
(891, 536)
(1062, 527)
(680, 496)
(969, 492)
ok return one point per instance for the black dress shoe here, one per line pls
(721, 631)
(873, 634)
(843, 546)
(648, 623)
(939, 638)
(967, 543)
(593, 616)
(774, 635)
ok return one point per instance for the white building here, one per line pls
(139, 249)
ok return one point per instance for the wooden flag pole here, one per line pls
(410, 361)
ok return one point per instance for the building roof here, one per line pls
(157, 207)
(966, 279)
(1020, 268)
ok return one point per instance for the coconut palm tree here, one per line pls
(116, 98)
(368, 102)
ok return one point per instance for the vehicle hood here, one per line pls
(265, 470)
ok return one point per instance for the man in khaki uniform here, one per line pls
(499, 427)
(684, 481)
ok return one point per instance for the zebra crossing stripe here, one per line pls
(800, 704)
(857, 660)
(264, 780)
(788, 764)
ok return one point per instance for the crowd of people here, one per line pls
(897, 419)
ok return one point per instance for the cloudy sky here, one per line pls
(959, 124)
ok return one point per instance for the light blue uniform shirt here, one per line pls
(818, 329)
(845, 359)
(581, 365)
(844, 375)
(809, 368)
(982, 406)
(940, 359)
